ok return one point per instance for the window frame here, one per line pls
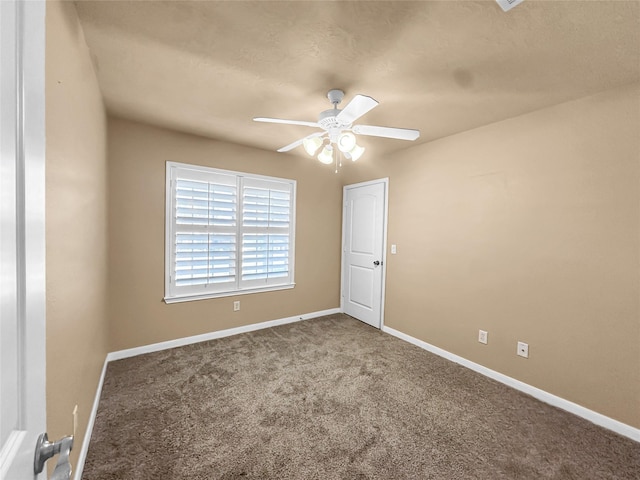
(175, 294)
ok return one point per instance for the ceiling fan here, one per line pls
(338, 129)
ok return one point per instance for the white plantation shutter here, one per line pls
(227, 232)
(266, 230)
(205, 239)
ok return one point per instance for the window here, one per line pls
(227, 233)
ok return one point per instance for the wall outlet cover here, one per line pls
(523, 349)
(483, 337)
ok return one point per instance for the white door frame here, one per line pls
(385, 182)
(29, 124)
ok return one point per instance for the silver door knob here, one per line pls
(45, 450)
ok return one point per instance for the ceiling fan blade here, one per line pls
(287, 122)
(293, 145)
(388, 132)
(358, 106)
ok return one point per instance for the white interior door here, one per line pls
(22, 260)
(364, 223)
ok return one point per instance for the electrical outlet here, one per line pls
(236, 305)
(523, 349)
(483, 337)
(394, 250)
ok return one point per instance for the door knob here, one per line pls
(45, 450)
(376, 263)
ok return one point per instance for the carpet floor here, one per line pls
(332, 398)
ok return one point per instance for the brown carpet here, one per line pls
(332, 398)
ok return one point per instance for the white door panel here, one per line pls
(22, 260)
(361, 286)
(363, 224)
(363, 251)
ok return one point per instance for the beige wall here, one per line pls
(138, 315)
(529, 229)
(75, 224)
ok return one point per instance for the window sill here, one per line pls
(207, 296)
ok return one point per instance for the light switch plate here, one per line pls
(507, 5)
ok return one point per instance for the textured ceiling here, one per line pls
(438, 66)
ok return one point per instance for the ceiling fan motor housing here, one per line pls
(328, 120)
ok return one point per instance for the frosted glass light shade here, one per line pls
(355, 153)
(346, 142)
(311, 145)
(326, 156)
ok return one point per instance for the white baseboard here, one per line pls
(179, 342)
(546, 397)
(92, 418)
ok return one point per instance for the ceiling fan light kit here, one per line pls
(338, 129)
(311, 145)
(355, 153)
(346, 142)
(326, 155)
